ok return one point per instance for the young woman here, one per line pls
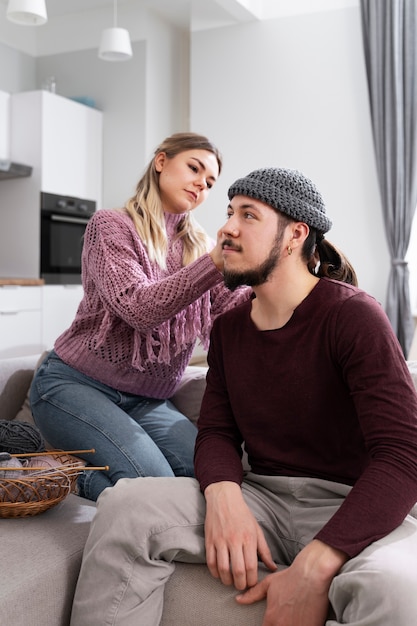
(153, 285)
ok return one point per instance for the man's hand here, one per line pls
(298, 595)
(234, 538)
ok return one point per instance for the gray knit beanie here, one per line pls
(287, 191)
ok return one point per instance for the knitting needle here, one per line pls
(58, 467)
(52, 452)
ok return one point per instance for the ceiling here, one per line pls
(182, 13)
(65, 7)
(198, 14)
(168, 7)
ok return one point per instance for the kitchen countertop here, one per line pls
(25, 282)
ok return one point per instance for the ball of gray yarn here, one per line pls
(20, 437)
(7, 461)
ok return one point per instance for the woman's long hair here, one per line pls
(145, 207)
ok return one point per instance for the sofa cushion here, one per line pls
(412, 366)
(189, 394)
(41, 557)
(25, 413)
(15, 378)
(206, 600)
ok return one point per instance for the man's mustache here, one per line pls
(229, 243)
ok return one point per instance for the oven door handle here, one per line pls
(68, 219)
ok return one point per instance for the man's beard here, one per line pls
(258, 275)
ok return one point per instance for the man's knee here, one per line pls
(147, 496)
(378, 586)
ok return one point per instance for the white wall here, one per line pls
(17, 70)
(291, 92)
(167, 82)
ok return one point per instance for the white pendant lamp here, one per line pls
(27, 12)
(115, 42)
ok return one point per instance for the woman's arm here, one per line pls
(134, 289)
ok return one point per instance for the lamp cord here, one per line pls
(115, 13)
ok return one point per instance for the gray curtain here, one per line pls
(390, 46)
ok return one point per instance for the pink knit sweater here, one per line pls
(137, 325)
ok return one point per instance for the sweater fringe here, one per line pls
(188, 326)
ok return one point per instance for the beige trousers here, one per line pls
(143, 525)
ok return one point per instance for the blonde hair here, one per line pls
(145, 207)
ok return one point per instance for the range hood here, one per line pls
(9, 169)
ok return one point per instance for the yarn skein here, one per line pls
(8, 461)
(20, 437)
(47, 461)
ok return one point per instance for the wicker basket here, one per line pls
(41, 489)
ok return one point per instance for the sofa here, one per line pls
(41, 554)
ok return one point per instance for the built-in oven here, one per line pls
(63, 222)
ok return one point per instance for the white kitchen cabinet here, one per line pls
(61, 139)
(4, 126)
(31, 318)
(59, 306)
(20, 320)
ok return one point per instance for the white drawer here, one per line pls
(16, 298)
(20, 333)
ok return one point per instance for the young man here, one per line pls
(309, 376)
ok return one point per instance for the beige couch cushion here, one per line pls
(412, 366)
(25, 414)
(190, 392)
(208, 602)
(41, 558)
(15, 378)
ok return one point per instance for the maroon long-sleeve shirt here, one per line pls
(329, 396)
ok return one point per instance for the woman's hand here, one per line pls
(298, 595)
(217, 252)
(234, 538)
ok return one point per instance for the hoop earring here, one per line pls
(289, 250)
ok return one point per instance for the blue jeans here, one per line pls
(133, 435)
